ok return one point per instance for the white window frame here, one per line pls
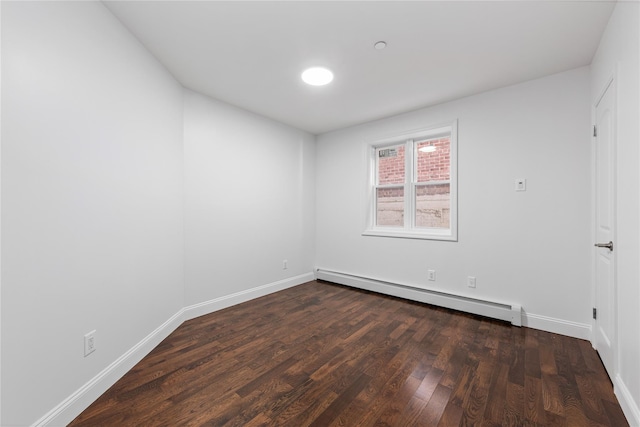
(410, 230)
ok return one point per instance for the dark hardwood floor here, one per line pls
(325, 355)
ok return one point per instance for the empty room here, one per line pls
(320, 213)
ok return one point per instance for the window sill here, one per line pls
(402, 234)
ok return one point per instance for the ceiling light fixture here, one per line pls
(427, 149)
(317, 76)
(380, 45)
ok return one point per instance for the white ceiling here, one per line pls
(251, 54)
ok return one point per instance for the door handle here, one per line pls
(605, 245)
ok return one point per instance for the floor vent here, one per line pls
(508, 312)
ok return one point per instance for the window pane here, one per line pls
(390, 165)
(434, 161)
(390, 207)
(433, 205)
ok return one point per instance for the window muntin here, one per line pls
(414, 185)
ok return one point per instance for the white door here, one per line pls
(605, 292)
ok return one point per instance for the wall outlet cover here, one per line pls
(471, 282)
(89, 343)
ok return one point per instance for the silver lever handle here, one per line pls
(605, 245)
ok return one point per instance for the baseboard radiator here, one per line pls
(508, 312)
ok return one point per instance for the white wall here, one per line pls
(92, 176)
(249, 200)
(618, 53)
(528, 247)
(113, 179)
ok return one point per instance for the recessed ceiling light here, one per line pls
(317, 76)
(427, 149)
(380, 45)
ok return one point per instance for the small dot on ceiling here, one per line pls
(380, 45)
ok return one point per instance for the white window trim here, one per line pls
(409, 231)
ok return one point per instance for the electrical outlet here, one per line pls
(471, 282)
(89, 343)
(285, 264)
(432, 275)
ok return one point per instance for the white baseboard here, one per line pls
(628, 405)
(557, 326)
(200, 309)
(461, 303)
(72, 406)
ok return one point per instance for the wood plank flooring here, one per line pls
(326, 355)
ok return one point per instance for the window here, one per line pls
(413, 185)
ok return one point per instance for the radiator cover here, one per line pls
(508, 312)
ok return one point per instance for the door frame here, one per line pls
(609, 84)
